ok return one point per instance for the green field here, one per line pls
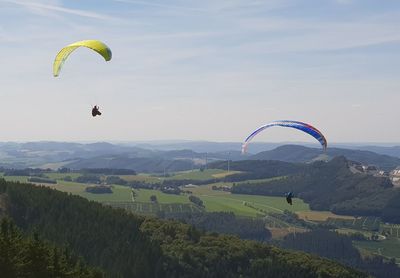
(143, 195)
(15, 178)
(153, 208)
(201, 175)
(389, 248)
(216, 200)
(60, 176)
(368, 223)
(392, 230)
(141, 178)
(120, 194)
(213, 200)
(240, 204)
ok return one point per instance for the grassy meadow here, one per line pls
(389, 248)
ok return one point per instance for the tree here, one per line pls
(153, 198)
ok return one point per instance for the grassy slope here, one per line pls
(143, 195)
(213, 200)
(389, 248)
(224, 201)
(201, 175)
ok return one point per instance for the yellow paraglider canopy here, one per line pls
(95, 45)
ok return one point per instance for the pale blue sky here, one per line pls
(201, 70)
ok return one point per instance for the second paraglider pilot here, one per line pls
(289, 197)
(95, 111)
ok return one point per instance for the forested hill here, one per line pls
(24, 256)
(296, 153)
(339, 247)
(332, 186)
(259, 169)
(126, 245)
(139, 164)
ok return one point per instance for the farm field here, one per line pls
(392, 230)
(201, 175)
(143, 195)
(347, 231)
(368, 223)
(216, 200)
(213, 200)
(15, 178)
(153, 208)
(60, 176)
(389, 248)
(321, 215)
(69, 187)
(224, 201)
(120, 193)
(141, 178)
(280, 233)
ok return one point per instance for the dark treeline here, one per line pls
(115, 180)
(259, 169)
(139, 164)
(96, 178)
(168, 186)
(41, 180)
(226, 223)
(176, 183)
(88, 178)
(99, 189)
(125, 245)
(39, 171)
(107, 238)
(391, 211)
(332, 186)
(25, 256)
(196, 200)
(100, 171)
(108, 171)
(25, 172)
(340, 248)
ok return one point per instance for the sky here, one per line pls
(201, 69)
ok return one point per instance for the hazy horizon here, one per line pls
(188, 141)
(201, 70)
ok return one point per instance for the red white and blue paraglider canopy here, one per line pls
(309, 129)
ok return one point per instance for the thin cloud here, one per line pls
(47, 7)
(143, 3)
(344, 2)
(325, 37)
(215, 6)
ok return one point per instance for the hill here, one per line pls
(126, 245)
(148, 156)
(25, 256)
(139, 164)
(387, 150)
(259, 169)
(333, 186)
(60, 154)
(296, 153)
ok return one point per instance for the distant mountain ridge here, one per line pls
(296, 153)
(102, 154)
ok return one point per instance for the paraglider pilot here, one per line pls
(95, 111)
(289, 197)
